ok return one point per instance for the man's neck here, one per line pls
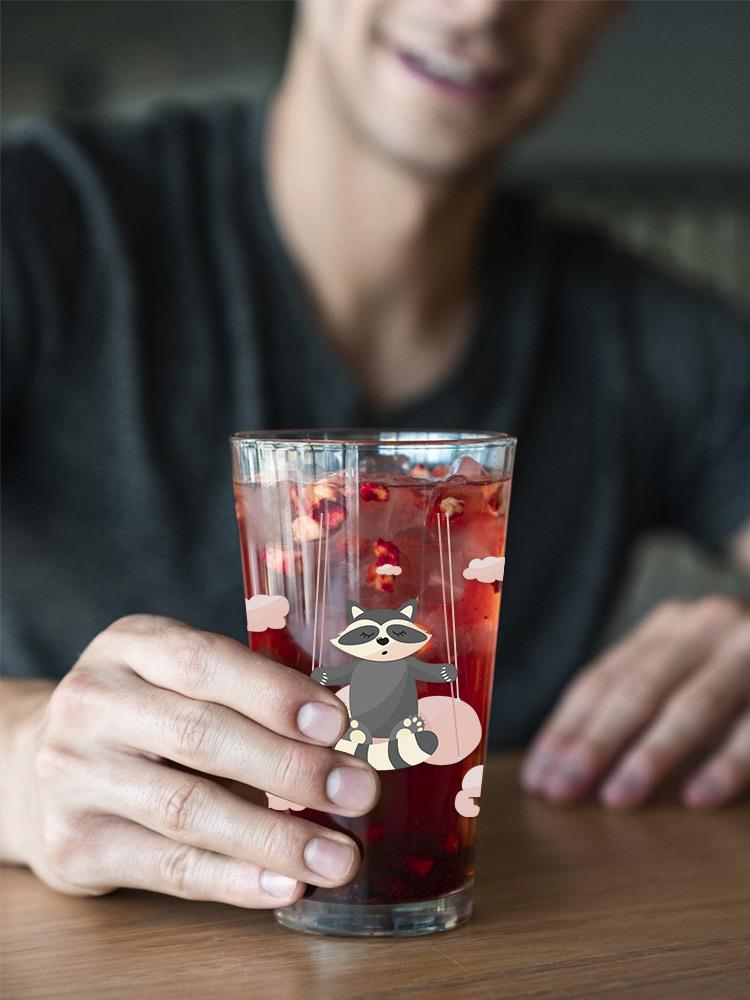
(389, 257)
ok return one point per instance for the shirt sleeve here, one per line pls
(690, 407)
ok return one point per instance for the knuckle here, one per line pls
(177, 867)
(78, 694)
(63, 843)
(593, 678)
(718, 606)
(713, 612)
(636, 693)
(674, 607)
(51, 762)
(293, 767)
(195, 657)
(592, 682)
(697, 706)
(181, 807)
(668, 616)
(273, 840)
(116, 631)
(131, 623)
(276, 690)
(143, 624)
(195, 732)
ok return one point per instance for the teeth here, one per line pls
(448, 67)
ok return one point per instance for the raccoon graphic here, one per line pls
(383, 690)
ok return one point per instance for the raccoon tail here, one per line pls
(405, 750)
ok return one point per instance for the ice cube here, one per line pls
(306, 528)
(375, 466)
(469, 468)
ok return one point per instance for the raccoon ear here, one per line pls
(408, 610)
(354, 610)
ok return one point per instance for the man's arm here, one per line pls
(435, 673)
(679, 684)
(333, 676)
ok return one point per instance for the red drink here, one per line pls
(380, 535)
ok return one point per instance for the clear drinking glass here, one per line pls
(374, 560)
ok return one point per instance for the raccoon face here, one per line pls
(382, 634)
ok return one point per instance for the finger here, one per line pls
(198, 812)
(587, 692)
(133, 857)
(711, 697)
(210, 667)
(627, 687)
(218, 741)
(726, 774)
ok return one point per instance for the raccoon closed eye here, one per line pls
(406, 633)
(368, 635)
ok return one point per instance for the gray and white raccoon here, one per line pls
(383, 690)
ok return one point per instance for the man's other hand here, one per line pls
(127, 775)
(678, 686)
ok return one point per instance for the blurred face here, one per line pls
(438, 85)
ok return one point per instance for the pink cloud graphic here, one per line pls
(388, 569)
(266, 611)
(471, 789)
(487, 570)
(275, 802)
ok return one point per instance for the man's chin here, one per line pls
(428, 159)
(425, 149)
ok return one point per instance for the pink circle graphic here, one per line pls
(437, 712)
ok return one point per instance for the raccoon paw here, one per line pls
(411, 724)
(427, 741)
(448, 673)
(357, 733)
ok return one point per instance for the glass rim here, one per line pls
(368, 436)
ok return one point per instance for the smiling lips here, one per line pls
(452, 73)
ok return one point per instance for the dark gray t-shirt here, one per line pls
(151, 308)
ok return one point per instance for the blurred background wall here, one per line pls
(653, 145)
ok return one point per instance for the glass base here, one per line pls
(429, 916)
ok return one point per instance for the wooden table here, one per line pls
(573, 903)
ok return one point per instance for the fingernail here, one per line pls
(320, 722)
(352, 788)
(280, 886)
(535, 768)
(705, 791)
(624, 789)
(328, 858)
(567, 779)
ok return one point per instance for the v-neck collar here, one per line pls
(495, 364)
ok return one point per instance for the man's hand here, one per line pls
(112, 779)
(669, 690)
